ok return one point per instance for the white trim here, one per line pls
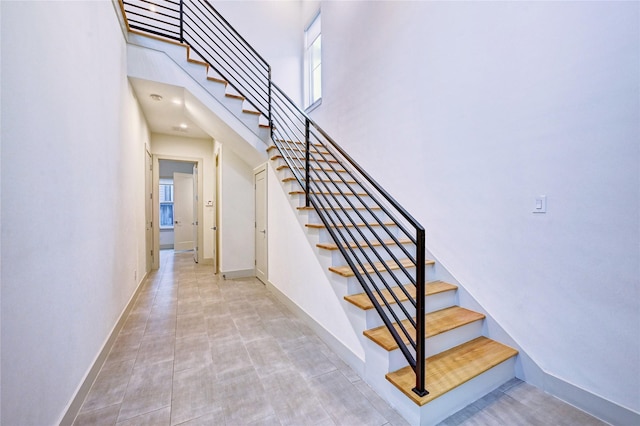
(591, 403)
(73, 408)
(241, 273)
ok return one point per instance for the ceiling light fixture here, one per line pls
(155, 97)
(183, 126)
(177, 101)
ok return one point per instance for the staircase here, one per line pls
(461, 364)
(423, 353)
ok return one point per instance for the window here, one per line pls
(313, 63)
(166, 203)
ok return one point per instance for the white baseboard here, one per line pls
(242, 273)
(72, 410)
(329, 339)
(588, 402)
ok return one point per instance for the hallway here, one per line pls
(200, 350)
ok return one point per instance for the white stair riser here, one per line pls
(440, 408)
(354, 285)
(433, 303)
(362, 216)
(338, 260)
(437, 344)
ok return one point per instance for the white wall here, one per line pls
(236, 232)
(274, 29)
(467, 111)
(295, 270)
(193, 148)
(72, 199)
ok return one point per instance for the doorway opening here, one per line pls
(177, 208)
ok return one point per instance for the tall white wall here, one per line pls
(236, 233)
(177, 146)
(274, 29)
(72, 199)
(466, 112)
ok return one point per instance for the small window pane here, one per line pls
(166, 214)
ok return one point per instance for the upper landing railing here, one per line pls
(368, 226)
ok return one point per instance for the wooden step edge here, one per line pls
(343, 208)
(313, 151)
(155, 37)
(362, 301)
(197, 62)
(288, 141)
(347, 194)
(345, 271)
(217, 80)
(437, 322)
(349, 182)
(454, 367)
(264, 126)
(317, 169)
(249, 111)
(321, 160)
(234, 96)
(348, 225)
(334, 246)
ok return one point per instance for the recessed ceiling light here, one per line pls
(155, 97)
(153, 8)
(176, 101)
(183, 126)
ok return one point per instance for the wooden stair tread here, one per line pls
(292, 179)
(452, 368)
(234, 96)
(283, 141)
(318, 169)
(314, 149)
(362, 301)
(436, 323)
(322, 160)
(341, 208)
(349, 225)
(217, 80)
(249, 111)
(346, 193)
(346, 271)
(334, 246)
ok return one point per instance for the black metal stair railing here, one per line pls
(380, 241)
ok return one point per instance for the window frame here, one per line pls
(165, 182)
(312, 35)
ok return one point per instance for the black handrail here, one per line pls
(345, 197)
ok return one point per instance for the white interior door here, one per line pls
(148, 207)
(194, 222)
(261, 224)
(183, 196)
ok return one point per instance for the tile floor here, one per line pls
(199, 350)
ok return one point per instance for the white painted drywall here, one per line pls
(193, 148)
(274, 29)
(72, 199)
(237, 215)
(466, 111)
(295, 269)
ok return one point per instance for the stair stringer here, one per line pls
(205, 101)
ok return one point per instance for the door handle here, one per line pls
(264, 231)
(215, 228)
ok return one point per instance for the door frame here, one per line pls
(156, 211)
(260, 169)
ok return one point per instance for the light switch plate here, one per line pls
(540, 205)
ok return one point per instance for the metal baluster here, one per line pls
(420, 313)
(306, 163)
